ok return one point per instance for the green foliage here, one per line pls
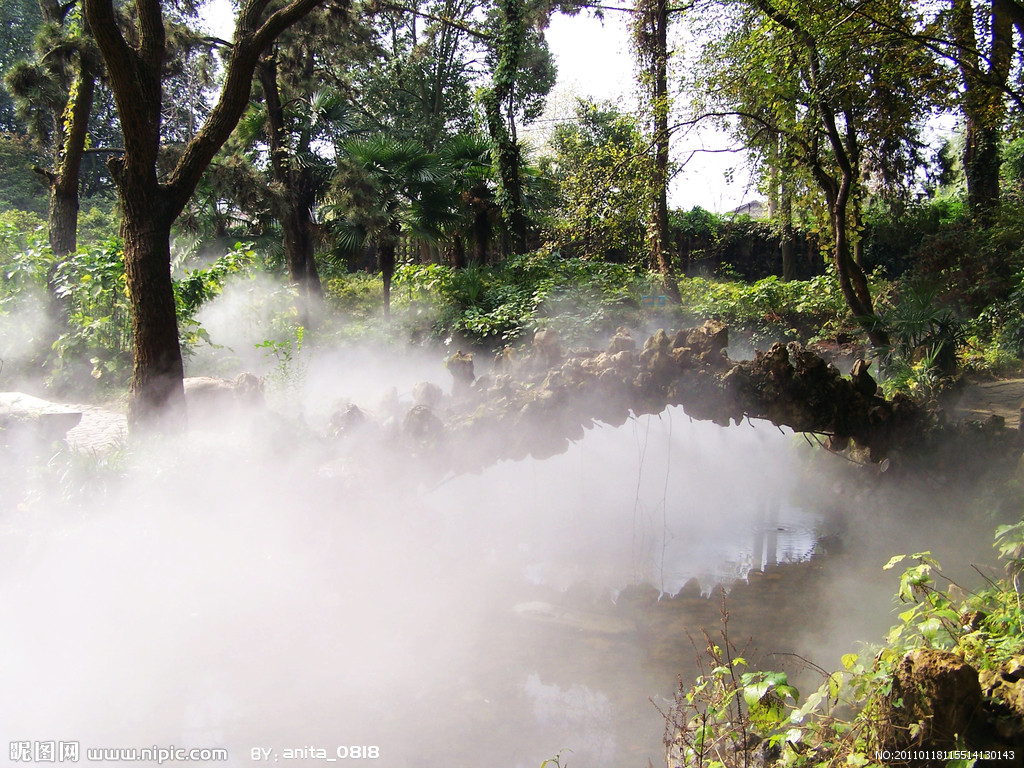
(977, 267)
(769, 309)
(727, 713)
(91, 287)
(602, 176)
(198, 286)
(926, 336)
(384, 188)
(584, 298)
(98, 223)
(998, 331)
(893, 236)
(24, 251)
(499, 304)
(23, 188)
(354, 296)
(289, 362)
(88, 330)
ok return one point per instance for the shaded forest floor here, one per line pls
(981, 399)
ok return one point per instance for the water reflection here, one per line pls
(495, 618)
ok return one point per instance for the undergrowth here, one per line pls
(731, 715)
(583, 299)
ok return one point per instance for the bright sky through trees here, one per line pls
(594, 60)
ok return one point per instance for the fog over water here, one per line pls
(253, 587)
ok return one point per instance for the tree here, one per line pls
(54, 94)
(467, 159)
(387, 189)
(417, 85)
(848, 101)
(150, 201)
(19, 21)
(602, 167)
(650, 23)
(522, 73)
(984, 73)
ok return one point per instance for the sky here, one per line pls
(594, 61)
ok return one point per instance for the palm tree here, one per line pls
(467, 158)
(387, 189)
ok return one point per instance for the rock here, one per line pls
(621, 342)
(210, 396)
(657, 360)
(47, 421)
(428, 394)
(548, 346)
(862, 381)
(460, 366)
(939, 691)
(690, 590)
(591, 622)
(505, 359)
(347, 420)
(421, 424)
(637, 596)
(1003, 689)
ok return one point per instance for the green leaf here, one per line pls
(893, 562)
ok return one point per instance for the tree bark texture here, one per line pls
(149, 204)
(838, 188)
(658, 231)
(386, 254)
(294, 208)
(63, 213)
(983, 101)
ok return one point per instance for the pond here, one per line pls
(248, 599)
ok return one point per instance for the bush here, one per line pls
(769, 309)
(731, 715)
(91, 287)
(582, 298)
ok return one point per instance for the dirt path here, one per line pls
(982, 399)
(100, 431)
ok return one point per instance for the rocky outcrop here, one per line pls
(934, 705)
(534, 403)
(1003, 689)
(207, 396)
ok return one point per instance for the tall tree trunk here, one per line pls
(386, 254)
(458, 252)
(481, 236)
(499, 108)
(788, 236)
(982, 102)
(72, 130)
(158, 395)
(657, 232)
(982, 163)
(852, 280)
(294, 207)
(150, 205)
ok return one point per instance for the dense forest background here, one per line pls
(371, 155)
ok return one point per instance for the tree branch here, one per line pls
(152, 35)
(461, 26)
(250, 42)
